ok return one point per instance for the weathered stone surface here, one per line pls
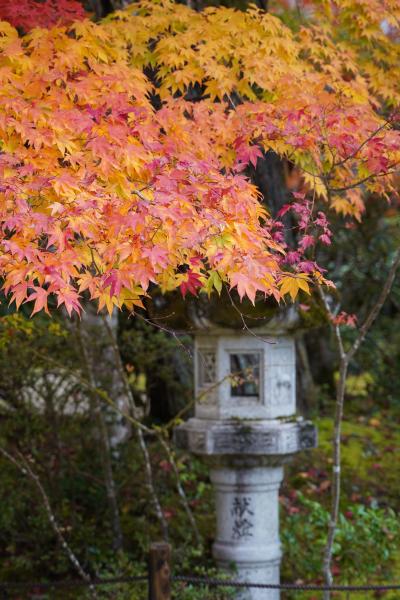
(245, 426)
(248, 526)
(276, 394)
(260, 438)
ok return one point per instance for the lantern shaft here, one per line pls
(248, 526)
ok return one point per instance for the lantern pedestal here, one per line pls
(246, 460)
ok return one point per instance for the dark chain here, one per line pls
(71, 583)
(213, 582)
(206, 581)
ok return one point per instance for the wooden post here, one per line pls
(160, 571)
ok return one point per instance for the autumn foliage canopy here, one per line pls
(126, 145)
(28, 14)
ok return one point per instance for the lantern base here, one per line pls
(246, 458)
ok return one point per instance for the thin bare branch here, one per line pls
(377, 307)
(118, 540)
(22, 464)
(391, 170)
(166, 330)
(179, 487)
(242, 318)
(139, 432)
(345, 359)
(335, 326)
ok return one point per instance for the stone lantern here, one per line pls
(245, 425)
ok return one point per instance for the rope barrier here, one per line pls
(206, 581)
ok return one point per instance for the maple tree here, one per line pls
(125, 146)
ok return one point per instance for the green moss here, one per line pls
(368, 451)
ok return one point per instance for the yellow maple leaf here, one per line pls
(291, 284)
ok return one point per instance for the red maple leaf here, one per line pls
(27, 14)
(191, 285)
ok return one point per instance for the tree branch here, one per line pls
(344, 360)
(139, 432)
(377, 307)
(118, 540)
(180, 490)
(24, 467)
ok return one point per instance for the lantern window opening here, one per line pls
(245, 371)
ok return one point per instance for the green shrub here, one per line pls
(365, 546)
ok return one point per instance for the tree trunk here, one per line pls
(101, 373)
(307, 390)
